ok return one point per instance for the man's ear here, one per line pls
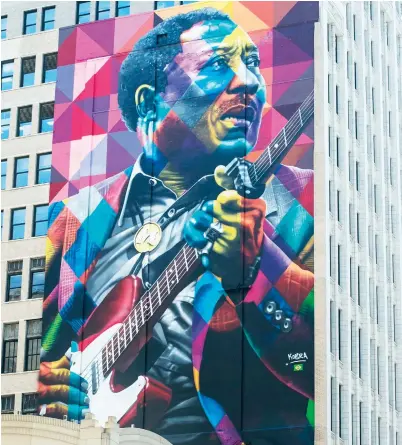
(145, 101)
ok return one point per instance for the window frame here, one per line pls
(11, 397)
(18, 129)
(41, 120)
(15, 351)
(16, 173)
(8, 110)
(4, 63)
(119, 8)
(25, 25)
(32, 272)
(30, 411)
(13, 225)
(78, 15)
(99, 11)
(35, 221)
(32, 360)
(44, 71)
(9, 275)
(23, 74)
(39, 170)
(4, 176)
(4, 30)
(44, 21)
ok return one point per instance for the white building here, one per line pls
(358, 203)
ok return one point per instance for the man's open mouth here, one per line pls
(239, 115)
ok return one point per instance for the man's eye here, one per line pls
(253, 62)
(218, 64)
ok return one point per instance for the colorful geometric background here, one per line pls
(91, 142)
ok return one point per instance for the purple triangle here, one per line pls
(302, 36)
(102, 33)
(117, 158)
(301, 12)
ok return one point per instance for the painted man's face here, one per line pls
(213, 100)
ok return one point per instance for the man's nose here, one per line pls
(244, 81)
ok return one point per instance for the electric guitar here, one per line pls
(103, 357)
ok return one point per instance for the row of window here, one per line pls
(24, 120)
(36, 279)
(27, 76)
(29, 404)
(32, 346)
(83, 14)
(17, 226)
(21, 169)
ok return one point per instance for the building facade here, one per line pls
(358, 210)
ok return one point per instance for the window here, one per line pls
(48, 18)
(3, 174)
(348, 65)
(360, 352)
(354, 27)
(375, 198)
(163, 4)
(33, 343)
(371, 10)
(24, 124)
(336, 49)
(122, 8)
(14, 280)
(330, 258)
(21, 172)
(339, 265)
(329, 88)
(5, 124)
(28, 72)
(355, 74)
(358, 285)
(102, 10)
(7, 73)
(29, 22)
(372, 52)
(329, 140)
(40, 220)
(337, 99)
(388, 78)
(340, 409)
(83, 12)
(7, 404)
(356, 126)
(49, 68)
(29, 403)
(338, 205)
(358, 227)
(338, 150)
(17, 228)
(389, 123)
(3, 27)
(10, 348)
(2, 221)
(43, 168)
(340, 334)
(37, 283)
(46, 117)
(357, 176)
(330, 196)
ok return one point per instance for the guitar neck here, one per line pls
(162, 292)
(284, 140)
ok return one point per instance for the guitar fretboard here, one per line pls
(164, 286)
(284, 139)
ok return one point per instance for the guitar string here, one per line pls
(87, 374)
(88, 371)
(188, 263)
(306, 103)
(145, 312)
(259, 163)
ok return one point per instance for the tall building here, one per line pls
(358, 206)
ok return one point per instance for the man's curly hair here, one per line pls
(147, 60)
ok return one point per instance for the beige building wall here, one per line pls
(34, 430)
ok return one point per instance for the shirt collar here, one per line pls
(138, 173)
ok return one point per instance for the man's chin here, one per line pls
(232, 148)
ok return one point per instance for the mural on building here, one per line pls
(179, 277)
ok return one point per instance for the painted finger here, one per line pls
(194, 237)
(62, 393)
(222, 179)
(201, 220)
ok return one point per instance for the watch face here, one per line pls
(148, 237)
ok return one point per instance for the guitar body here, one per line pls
(103, 401)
